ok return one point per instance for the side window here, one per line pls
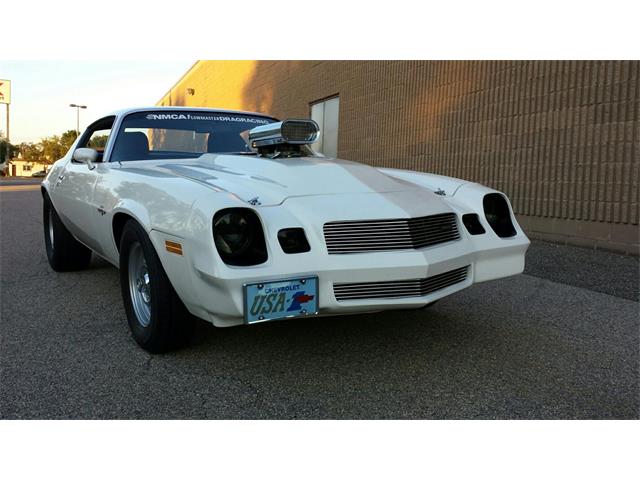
(97, 136)
(326, 114)
(98, 140)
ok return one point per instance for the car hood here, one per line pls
(271, 181)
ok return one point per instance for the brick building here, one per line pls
(559, 137)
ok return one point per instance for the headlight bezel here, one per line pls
(249, 251)
(498, 215)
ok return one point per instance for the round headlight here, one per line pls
(232, 233)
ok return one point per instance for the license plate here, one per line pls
(280, 299)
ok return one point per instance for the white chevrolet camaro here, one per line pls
(231, 217)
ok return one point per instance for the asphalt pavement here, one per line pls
(559, 342)
(15, 181)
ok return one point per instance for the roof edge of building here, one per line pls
(175, 84)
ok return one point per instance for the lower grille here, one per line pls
(418, 287)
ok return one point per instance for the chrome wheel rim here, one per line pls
(50, 228)
(139, 285)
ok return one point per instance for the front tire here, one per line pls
(64, 252)
(158, 319)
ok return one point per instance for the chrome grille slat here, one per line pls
(404, 222)
(401, 239)
(378, 232)
(388, 242)
(418, 287)
(417, 283)
(354, 236)
(391, 220)
(387, 228)
(405, 227)
(391, 288)
(396, 246)
(378, 248)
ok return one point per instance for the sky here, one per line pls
(41, 92)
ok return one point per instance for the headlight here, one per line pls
(238, 236)
(496, 211)
(233, 235)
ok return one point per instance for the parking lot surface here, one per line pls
(560, 341)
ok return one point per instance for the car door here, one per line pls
(74, 187)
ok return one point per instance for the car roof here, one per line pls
(126, 111)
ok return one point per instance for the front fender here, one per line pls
(48, 182)
(462, 195)
(471, 196)
(135, 210)
(435, 183)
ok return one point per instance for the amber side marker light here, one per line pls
(173, 247)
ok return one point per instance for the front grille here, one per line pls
(394, 234)
(418, 287)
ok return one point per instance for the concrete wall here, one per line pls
(559, 137)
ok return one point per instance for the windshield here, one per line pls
(183, 134)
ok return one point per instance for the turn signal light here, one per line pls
(472, 224)
(293, 240)
(173, 247)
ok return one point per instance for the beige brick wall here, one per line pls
(559, 137)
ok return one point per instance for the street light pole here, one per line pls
(77, 107)
(8, 154)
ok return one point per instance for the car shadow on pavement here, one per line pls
(308, 342)
(99, 263)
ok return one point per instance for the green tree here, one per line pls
(31, 152)
(67, 139)
(55, 147)
(52, 148)
(98, 142)
(48, 149)
(13, 149)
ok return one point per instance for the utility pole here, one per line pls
(5, 97)
(8, 155)
(77, 107)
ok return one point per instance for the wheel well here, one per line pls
(119, 220)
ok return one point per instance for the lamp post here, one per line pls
(77, 107)
(5, 97)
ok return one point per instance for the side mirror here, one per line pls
(87, 156)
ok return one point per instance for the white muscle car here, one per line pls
(231, 217)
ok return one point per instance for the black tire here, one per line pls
(64, 252)
(168, 325)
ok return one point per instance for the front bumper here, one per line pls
(217, 296)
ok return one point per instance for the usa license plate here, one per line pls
(280, 299)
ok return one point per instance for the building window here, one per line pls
(26, 168)
(326, 113)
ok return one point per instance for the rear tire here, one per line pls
(64, 252)
(158, 319)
